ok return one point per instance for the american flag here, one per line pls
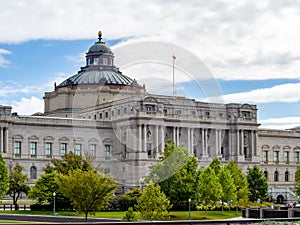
(174, 57)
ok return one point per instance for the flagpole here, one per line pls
(173, 75)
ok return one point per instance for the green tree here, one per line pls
(209, 188)
(3, 177)
(17, 183)
(44, 188)
(88, 190)
(297, 180)
(258, 184)
(228, 187)
(176, 174)
(129, 199)
(216, 165)
(240, 181)
(129, 216)
(69, 162)
(153, 203)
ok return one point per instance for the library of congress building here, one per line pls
(104, 113)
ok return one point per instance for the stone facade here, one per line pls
(125, 128)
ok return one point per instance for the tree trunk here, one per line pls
(86, 216)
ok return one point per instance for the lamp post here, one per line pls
(189, 217)
(54, 194)
(142, 182)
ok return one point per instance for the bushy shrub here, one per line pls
(128, 199)
(129, 216)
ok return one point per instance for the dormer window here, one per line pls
(246, 115)
(105, 61)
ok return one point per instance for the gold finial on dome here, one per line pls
(99, 35)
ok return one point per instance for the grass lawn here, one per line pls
(175, 215)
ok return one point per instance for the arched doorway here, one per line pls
(280, 199)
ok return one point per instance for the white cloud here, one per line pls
(280, 123)
(242, 40)
(279, 93)
(28, 106)
(4, 62)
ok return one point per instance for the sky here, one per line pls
(250, 48)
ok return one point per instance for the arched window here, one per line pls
(33, 174)
(286, 176)
(276, 176)
(266, 174)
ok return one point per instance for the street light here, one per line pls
(142, 182)
(54, 194)
(189, 217)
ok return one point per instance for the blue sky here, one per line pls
(250, 47)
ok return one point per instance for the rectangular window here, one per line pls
(100, 116)
(125, 110)
(286, 157)
(106, 114)
(78, 149)
(107, 151)
(93, 150)
(178, 112)
(149, 151)
(207, 115)
(17, 148)
(276, 156)
(48, 149)
(112, 113)
(119, 112)
(63, 149)
(297, 157)
(33, 149)
(265, 156)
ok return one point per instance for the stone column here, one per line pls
(156, 141)
(1, 139)
(145, 138)
(140, 138)
(174, 135)
(242, 142)
(256, 140)
(217, 141)
(162, 133)
(189, 139)
(5, 149)
(205, 142)
(192, 141)
(237, 142)
(202, 141)
(177, 136)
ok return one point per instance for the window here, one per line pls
(286, 176)
(297, 157)
(265, 156)
(119, 112)
(93, 150)
(63, 148)
(245, 115)
(100, 116)
(107, 151)
(17, 148)
(33, 174)
(106, 114)
(276, 156)
(207, 115)
(149, 109)
(149, 150)
(266, 174)
(78, 149)
(48, 149)
(112, 113)
(178, 112)
(165, 111)
(33, 148)
(276, 176)
(193, 113)
(125, 110)
(286, 157)
(105, 61)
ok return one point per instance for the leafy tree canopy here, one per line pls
(258, 184)
(153, 204)
(176, 173)
(17, 183)
(3, 177)
(88, 190)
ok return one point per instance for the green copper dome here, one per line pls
(99, 69)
